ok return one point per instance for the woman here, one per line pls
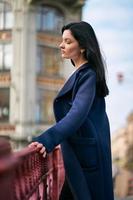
(82, 126)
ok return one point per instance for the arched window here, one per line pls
(6, 16)
(44, 111)
(48, 61)
(49, 19)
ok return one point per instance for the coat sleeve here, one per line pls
(75, 117)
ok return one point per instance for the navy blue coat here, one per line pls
(82, 129)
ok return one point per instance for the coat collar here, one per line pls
(70, 82)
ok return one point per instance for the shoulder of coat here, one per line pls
(86, 72)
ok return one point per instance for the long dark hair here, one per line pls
(85, 35)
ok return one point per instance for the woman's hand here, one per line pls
(39, 147)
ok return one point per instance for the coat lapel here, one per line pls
(68, 85)
(70, 82)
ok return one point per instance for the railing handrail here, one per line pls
(27, 175)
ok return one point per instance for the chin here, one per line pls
(64, 56)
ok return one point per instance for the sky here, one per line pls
(113, 24)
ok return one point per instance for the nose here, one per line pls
(61, 45)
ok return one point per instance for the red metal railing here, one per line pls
(26, 175)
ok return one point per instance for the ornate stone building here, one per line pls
(121, 141)
(122, 153)
(31, 69)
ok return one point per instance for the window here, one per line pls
(6, 16)
(48, 61)
(49, 19)
(44, 106)
(4, 104)
(6, 56)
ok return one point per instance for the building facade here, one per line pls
(121, 141)
(122, 153)
(31, 69)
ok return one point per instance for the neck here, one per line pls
(80, 63)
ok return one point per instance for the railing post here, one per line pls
(58, 173)
(7, 162)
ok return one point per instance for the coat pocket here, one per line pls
(86, 152)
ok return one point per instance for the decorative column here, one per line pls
(23, 73)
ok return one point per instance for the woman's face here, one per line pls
(69, 46)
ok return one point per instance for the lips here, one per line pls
(62, 51)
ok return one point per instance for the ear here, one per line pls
(82, 50)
